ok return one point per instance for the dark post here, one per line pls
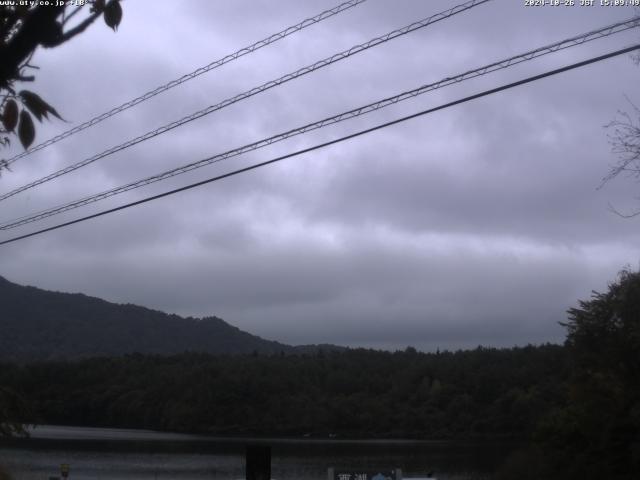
(258, 462)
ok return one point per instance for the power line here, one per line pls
(331, 142)
(185, 78)
(254, 91)
(514, 60)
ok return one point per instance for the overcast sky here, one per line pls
(476, 225)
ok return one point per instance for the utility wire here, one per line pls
(249, 93)
(502, 64)
(185, 78)
(331, 142)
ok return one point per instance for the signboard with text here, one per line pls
(364, 474)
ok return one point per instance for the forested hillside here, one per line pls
(359, 393)
(578, 404)
(37, 324)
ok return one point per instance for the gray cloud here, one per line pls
(480, 224)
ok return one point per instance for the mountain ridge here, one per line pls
(38, 325)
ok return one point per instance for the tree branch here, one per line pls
(623, 215)
(70, 16)
(625, 143)
(36, 29)
(81, 27)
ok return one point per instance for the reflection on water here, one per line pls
(41, 464)
(57, 432)
(97, 454)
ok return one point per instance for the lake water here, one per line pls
(105, 454)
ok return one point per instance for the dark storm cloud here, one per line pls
(480, 224)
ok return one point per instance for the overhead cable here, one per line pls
(254, 91)
(326, 144)
(189, 76)
(371, 107)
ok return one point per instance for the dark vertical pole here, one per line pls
(258, 462)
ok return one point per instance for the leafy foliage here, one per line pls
(595, 432)
(25, 26)
(14, 409)
(113, 14)
(10, 115)
(26, 129)
(37, 105)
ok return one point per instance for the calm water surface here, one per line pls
(97, 454)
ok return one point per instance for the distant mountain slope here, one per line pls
(38, 324)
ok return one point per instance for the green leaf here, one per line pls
(26, 129)
(10, 115)
(113, 14)
(37, 105)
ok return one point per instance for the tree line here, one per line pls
(355, 393)
(576, 406)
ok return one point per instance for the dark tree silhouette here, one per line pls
(13, 409)
(596, 433)
(625, 143)
(624, 138)
(24, 28)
